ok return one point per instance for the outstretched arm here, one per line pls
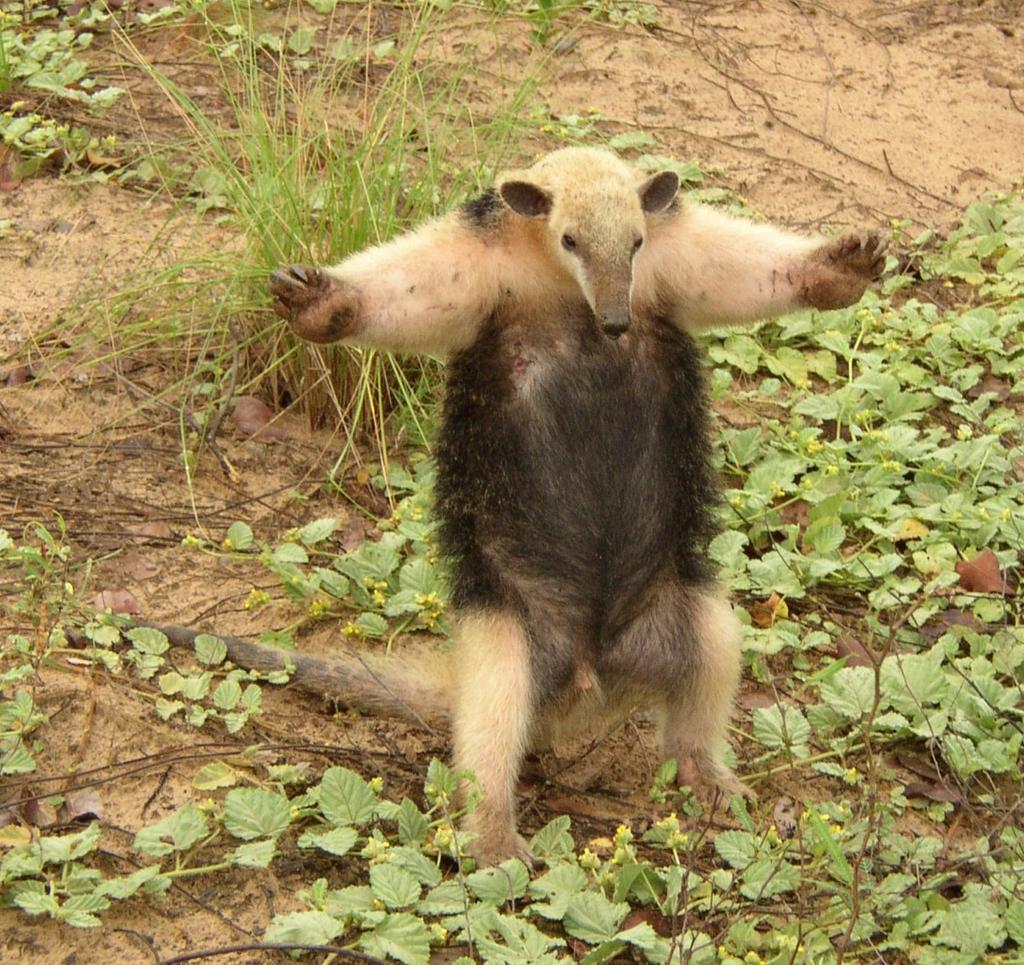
(426, 291)
(704, 268)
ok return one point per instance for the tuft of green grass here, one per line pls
(320, 148)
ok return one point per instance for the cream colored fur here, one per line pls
(491, 725)
(567, 237)
(430, 290)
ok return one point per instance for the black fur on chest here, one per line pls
(574, 473)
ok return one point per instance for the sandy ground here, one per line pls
(845, 113)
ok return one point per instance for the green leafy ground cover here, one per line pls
(873, 475)
(895, 434)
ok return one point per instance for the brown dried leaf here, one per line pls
(764, 613)
(98, 160)
(354, 533)
(83, 805)
(989, 383)
(650, 916)
(138, 567)
(933, 791)
(38, 813)
(982, 574)
(253, 418)
(796, 512)
(849, 646)
(755, 699)
(117, 600)
(19, 375)
(9, 177)
(151, 532)
(941, 622)
(785, 817)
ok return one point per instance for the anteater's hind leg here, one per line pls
(492, 725)
(684, 652)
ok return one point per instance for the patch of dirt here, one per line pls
(849, 113)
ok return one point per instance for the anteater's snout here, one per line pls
(613, 328)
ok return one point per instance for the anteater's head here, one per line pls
(595, 213)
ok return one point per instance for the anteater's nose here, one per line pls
(613, 329)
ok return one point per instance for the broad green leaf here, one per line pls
(851, 692)
(61, 849)
(412, 823)
(304, 927)
(227, 695)
(779, 728)
(593, 918)
(148, 640)
(255, 854)
(500, 884)
(215, 775)
(736, 848)
(239, 536)
(251, 812)
(972, 926)
(337, 841)
(401, 936)
(553, 840)
(394, 886)
(345, 798)
(422, 868)
(210, 650)
(317, 531)
(176, 832)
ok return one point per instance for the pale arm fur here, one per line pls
(703, 269)
(426, 291)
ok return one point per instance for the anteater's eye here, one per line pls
(637, 245)
(568, 242)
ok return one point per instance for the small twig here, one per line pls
(192, 421)
(213, 425)
(1013, 100)
(156, 790)
(347, 954)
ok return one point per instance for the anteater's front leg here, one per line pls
(704, 268)
(426, 291)
(319, 307)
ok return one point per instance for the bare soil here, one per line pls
(846, 112)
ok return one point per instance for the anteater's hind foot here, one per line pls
(319, 307)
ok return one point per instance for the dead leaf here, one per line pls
(38, 813)
(98, 160)
(138, 567)
(649, 916)
(118, 600)
(764, 613)
(982, 574)
(83, 805)
(796, 513)
(910, 528)
(989, 383)
(850, 646)
(933, 791)
(253, 418)
(354, 533)
(18, 376)
(9, 177)
(755, 699)
(941, 622)
(785, 817)
(156, 531)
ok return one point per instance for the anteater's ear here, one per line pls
(526, 199)
(659, 191)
